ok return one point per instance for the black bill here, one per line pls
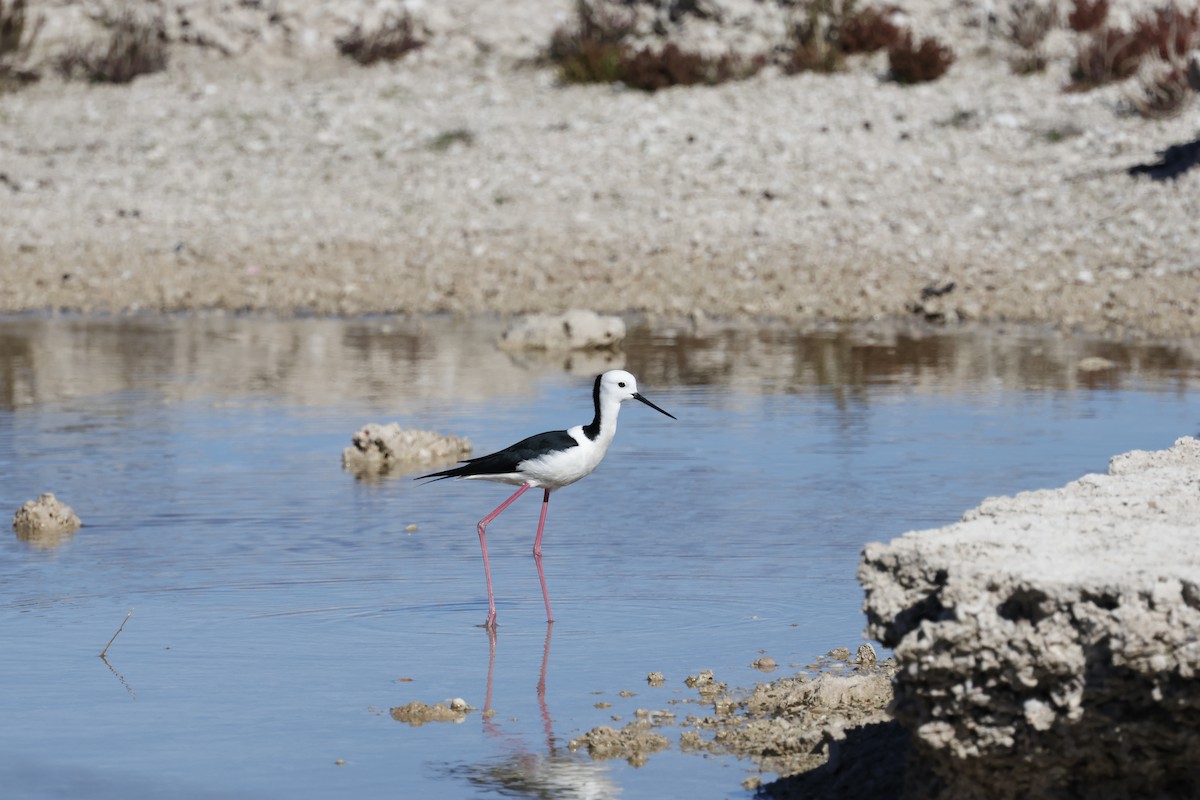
(637, 396)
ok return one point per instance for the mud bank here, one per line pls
(1047, 644)
(797, 725)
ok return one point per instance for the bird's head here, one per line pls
(620, 385)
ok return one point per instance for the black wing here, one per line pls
(504, 461)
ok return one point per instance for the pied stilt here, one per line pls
(549, 461)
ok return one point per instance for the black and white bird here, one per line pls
(549, 461)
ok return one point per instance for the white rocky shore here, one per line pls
(1049, 644)
(263, 171)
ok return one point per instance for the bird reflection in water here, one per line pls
(522, 771)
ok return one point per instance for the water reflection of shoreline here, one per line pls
(522, 770)
(405, 363)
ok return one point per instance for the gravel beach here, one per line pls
(264, 171)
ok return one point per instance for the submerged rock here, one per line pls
(1049, 644)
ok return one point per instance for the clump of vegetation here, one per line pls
(1028, 24)
(137, 45)
(651, 70)
(16, 41)
(596, 51)
(1087, 15)
(592, 51)
(1111, 54)
(831, 30)
(912, 62)
(1105, 56)
(828, 30)
(392, 40)
(822, 34)
(869, 30)
(1164, 91)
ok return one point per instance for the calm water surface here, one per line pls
(282, 608)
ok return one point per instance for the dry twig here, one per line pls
(118, 633)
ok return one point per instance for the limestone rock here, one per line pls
(378, 448)
(45, 521)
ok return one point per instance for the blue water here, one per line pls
(280, 607)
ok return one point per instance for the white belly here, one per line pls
(564, 467)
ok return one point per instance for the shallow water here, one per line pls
(281, 607)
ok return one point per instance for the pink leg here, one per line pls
(488, 725)
(490, 624)
(537, 554)
(541, 692)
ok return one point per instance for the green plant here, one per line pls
(582, 60)
(911, 62)
(137, 45)
(1057, 134)
(447, 139)
(392, 40)
(593, 50)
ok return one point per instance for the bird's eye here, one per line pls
(621, 384)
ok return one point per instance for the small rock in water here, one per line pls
(417, 713)
(635, 743)
(379, 448)
(1096, 364)
(45, 521)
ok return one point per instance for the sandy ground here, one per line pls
(262, 171)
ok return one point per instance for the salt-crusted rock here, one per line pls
(575, 330)
(417, 713)
(1049, 643)
(635, 742)
(378, 448)
(45, 521)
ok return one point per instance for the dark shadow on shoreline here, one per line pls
(870, 762)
